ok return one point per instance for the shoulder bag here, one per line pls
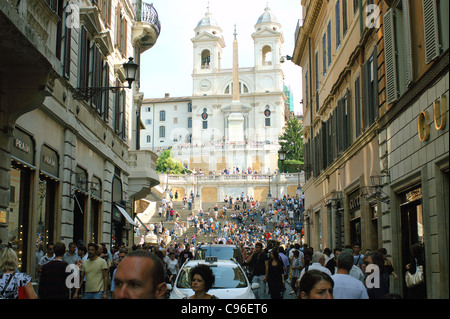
(415, 279)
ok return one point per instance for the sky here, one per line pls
(167, 67)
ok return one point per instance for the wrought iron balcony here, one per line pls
(148, 27)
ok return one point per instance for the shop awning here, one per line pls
(125, 214)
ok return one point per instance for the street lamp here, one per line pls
(282, 154)
(85, 93)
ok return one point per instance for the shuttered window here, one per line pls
(431, 30)
(398, 54)
(83, 59)
(106, 93)
(97, 77)
(358, 106)
(67, 41)
(329, 42)
(344, 17)
(119, 111)
(338, 25)
(370, 91)
(324, 54)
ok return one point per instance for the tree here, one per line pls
(165, 162)
(292, 143)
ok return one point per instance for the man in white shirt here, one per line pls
(346, 286)
(318, 261)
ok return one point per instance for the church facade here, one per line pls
(235, 116)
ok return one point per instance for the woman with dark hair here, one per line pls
(275, 275)
(417, 259)
(381, 288)
(315, 284)
(202, 279)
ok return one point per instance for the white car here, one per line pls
(230, 280)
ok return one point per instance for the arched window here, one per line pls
(267, 55)
(162, 116)
(162, 131)
(242, 88)
(206, 59)
(149, 138)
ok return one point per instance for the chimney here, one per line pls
(167, 95)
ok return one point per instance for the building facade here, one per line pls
(376, 141)
(199, 128)
(70, 165)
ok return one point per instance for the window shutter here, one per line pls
(348, 131)
(84, 58)
(334, 129)
(431, 30)
(366, 99)
(375, 102)
(390, 57)
(324, 132)
(358, 106)
(338, 25)
(329, 42)
(407, 39)
(67, 48)
(106, 92)
(324, 54)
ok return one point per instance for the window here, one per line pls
(397, 43)
(175, 120)
(370, 90)
(355, 6)
(317, 71)
(121, 32)
(190, 107)
(149, 138)
(206, 59)
(329, 41)
(189, 122)
(162, 131)
(83, 58)
(267, 55)
(338, 25)
(358, 106)
(306, 89)
(67, 40)
(344, 16)
(162, 116)
(324, 54)
(205, 125)
(267, 121)
(175, 107)
(119, 111)
(147, 109)
(148, 122)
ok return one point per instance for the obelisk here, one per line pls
(236, 119)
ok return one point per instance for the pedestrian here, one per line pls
(140, 275)
(185, 254)
(346, 286)
(12, 281)
(257, 262)
(71, 256)
(49, 256)
(357, 255)
(202, 280)
(316, 284)
(172, 267)
(296, 266)
(275, 275)
(95, 269)
(318, 261)
(123, 251)
(52, 283)
(380, 288)
(417, 259)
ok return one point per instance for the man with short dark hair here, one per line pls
(140, 275)
(258, 262)
(346, 286)
(52, 283)
(95, 269)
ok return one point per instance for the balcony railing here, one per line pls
(147, 13)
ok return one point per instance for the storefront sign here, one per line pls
(22, 146)
(354, 201)
(49, 161)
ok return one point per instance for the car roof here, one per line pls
(202, 261)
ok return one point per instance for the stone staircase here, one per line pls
(184, 213)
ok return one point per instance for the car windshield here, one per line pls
(221, 252)
(226, 276)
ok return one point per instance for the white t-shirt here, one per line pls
(348, 287)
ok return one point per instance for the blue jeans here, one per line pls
(93, 295)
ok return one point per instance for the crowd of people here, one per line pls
(94, 272)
